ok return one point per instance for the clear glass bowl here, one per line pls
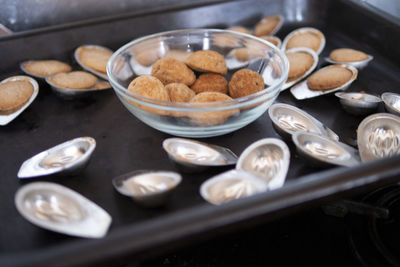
(198, 119)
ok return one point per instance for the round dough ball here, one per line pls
(179, 92)
(207, 61)
(150, 87)
(245, 82)
(211, 118)
(210, 82)
(170, 70)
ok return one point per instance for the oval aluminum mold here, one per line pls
(301, 90)
(23, 68)
(308, 72)
(70, 93)
(231, 185)
(302, 30)
(277, 27)
(378, 136)
(5, 119)
(191, 156)
(267, 159)
(85, 67)
(358, 103)
(68, 158)
(356, 64)
(57, 208)
(149, 188)
(321, 151)
(288, 119)
(392, 102)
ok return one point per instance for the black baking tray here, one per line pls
(125, 144)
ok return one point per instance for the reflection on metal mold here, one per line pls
(60, 209)
(321, 151)
(192, 156)
(378, 136)
(149, 188)
(68, 158)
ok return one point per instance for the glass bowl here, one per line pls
(198, 119)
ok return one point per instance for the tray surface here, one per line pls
(125, 144)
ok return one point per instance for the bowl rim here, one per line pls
(193, 107)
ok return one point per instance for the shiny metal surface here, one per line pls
(95, 72)
(63, 156)
(288, 119)
(267, 159)
(231, 185)
(5, 119)
(321, 151)
(149, 188)
(378, 136)
(69, 93)
(303, 30)
(23, 15)
(191, 156)
(359, 103)
(53, 206)
(57, 208)
(356, 64)
(68, 158)
(391, 7)
(392, 102)
(301, 90)
(330, 133)
(308, 72)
